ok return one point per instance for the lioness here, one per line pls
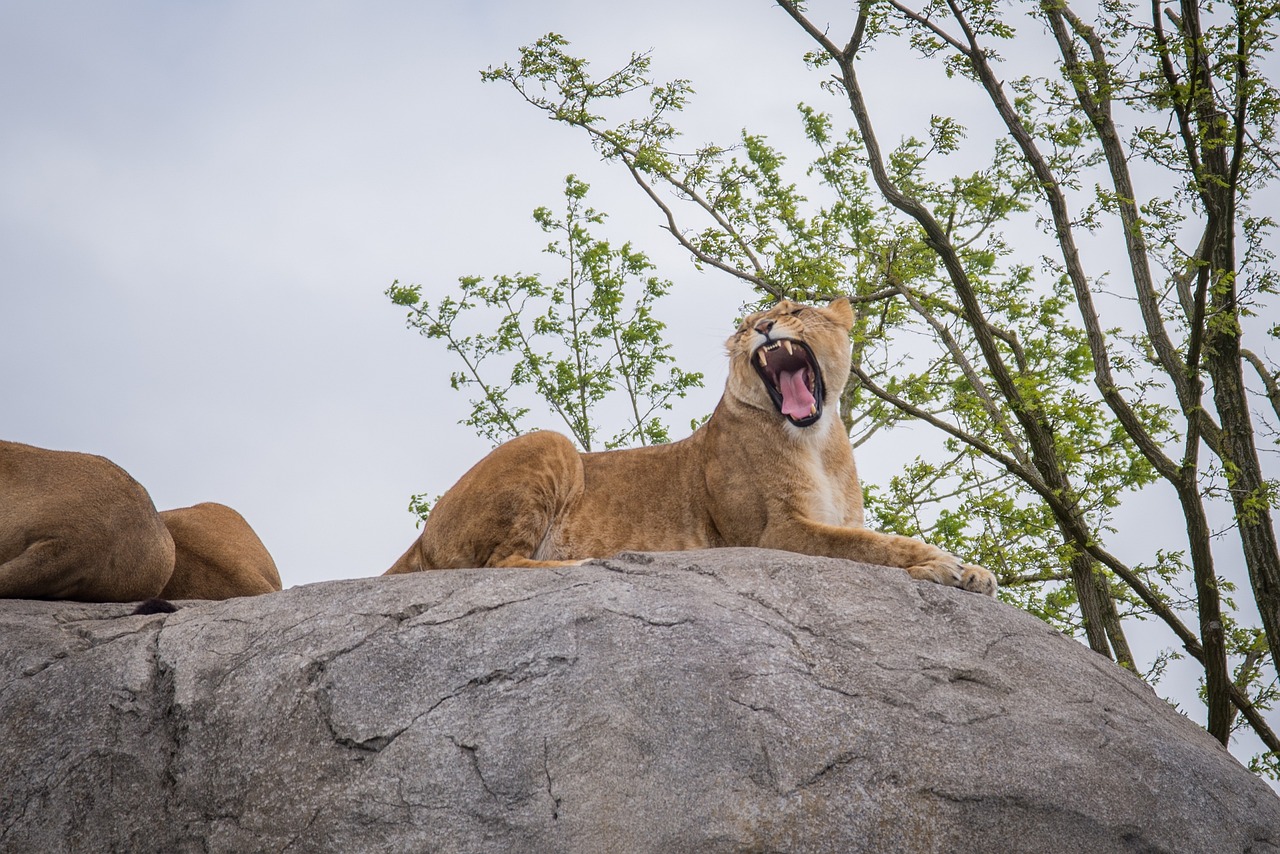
(77, 526)
(771, 468)
(218, 556)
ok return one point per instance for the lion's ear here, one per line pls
(840, 310)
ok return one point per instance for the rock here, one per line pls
(730, 700)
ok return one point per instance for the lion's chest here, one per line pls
(823, 491)
(825, 498)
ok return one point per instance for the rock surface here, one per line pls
(733, 700)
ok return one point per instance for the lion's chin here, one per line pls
(792, 379)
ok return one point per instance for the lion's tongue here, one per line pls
(796, 399)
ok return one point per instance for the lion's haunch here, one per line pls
(77, 526)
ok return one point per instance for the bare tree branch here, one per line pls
(1270, 380)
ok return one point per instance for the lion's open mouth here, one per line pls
(792, 378)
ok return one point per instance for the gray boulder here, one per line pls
(730, 700)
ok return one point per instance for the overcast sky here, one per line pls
(201, 205)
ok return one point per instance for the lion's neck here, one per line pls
(814, 464)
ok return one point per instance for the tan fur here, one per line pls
(77, 526)
(748, 477)
(218, 556)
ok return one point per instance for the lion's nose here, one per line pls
(764, 326)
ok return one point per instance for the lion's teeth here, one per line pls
(813, 409)
(764, 361)
(787, 344)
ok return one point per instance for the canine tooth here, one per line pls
(813, 409)
(764, 361)
(787, 344)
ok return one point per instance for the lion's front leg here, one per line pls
(921, 561)
(946, 568)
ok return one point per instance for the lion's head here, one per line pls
(793, 358)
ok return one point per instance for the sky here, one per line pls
(201, 205)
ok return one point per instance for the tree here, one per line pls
(1138, 142)
(589, 336)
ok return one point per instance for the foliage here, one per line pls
(585, 339)
(1057, 397)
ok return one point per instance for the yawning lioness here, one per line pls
(771, 468)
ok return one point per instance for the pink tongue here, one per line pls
(796, 399)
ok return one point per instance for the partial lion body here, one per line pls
(769, 472)
(77, 526)
(217, 555)
(536, 500)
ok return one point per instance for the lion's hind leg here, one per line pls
(45, 568)
(52, 568)
(508, 509)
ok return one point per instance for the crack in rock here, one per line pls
(546, 770)
(656, 622)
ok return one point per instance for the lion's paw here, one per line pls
(978, 580)
(940, 568)
(946, 569)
